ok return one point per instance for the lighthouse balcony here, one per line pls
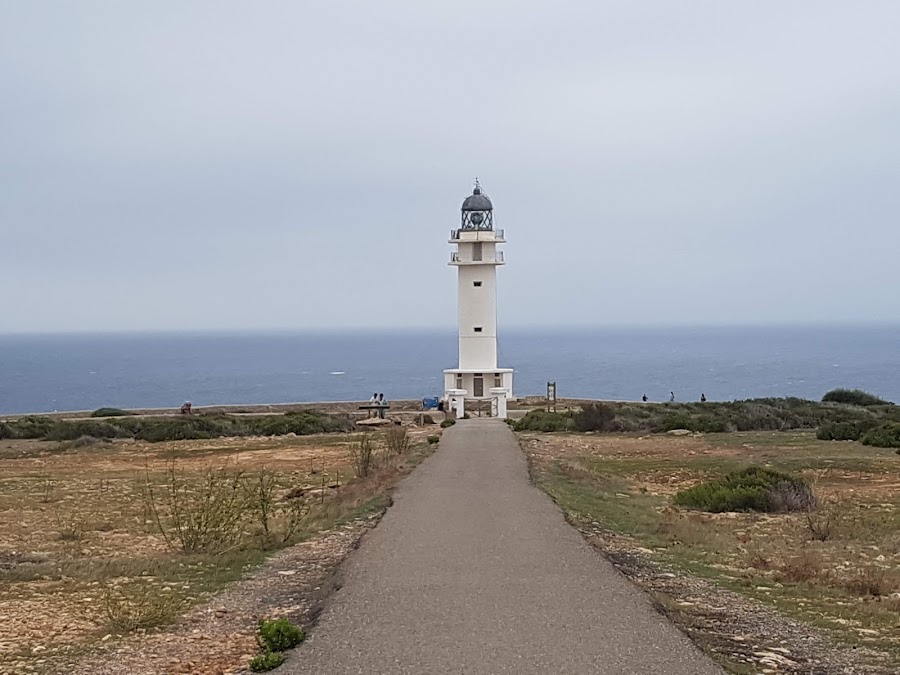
(472, 234)
(456, 259)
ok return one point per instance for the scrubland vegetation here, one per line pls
(807, 526)
(123, 529)
(159, 428)
(873, 424)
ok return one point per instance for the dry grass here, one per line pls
(138, 606)
(835, 563)
(117, 536)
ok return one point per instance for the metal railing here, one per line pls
(497, 234)
(498, 258)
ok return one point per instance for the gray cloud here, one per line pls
(298, 165)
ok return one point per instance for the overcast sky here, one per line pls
(255, 165)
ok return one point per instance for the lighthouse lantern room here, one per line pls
(476, 259)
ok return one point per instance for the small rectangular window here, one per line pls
(498, 380)
(477, 284)
(477, 329)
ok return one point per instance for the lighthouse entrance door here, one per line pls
(478, 385)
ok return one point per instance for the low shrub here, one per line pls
(447, 423)
(701, 423)
(594, 417)
(752, 489)
(70, 431)
(158, 428)
(433, 440)
(843, 431)
(853, 397)
(199, 516)
(884, 436)
(802, 567)
(138, 606)
(362, 456)
(277, 635)
(869, 581)
(822, 522)
(543, 420)
(110, 412)
(397, 440)
(266, 661)
(32, 426)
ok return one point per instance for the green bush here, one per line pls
(6, 431)
(703, 422)
(543, 420)
(32, 426)
(853, 397)
(884, 436)
(266, 661)
(594, 417)
(109, 412)
(843, 431)
(752, 489)
(69, 431)
(447, 423)
(276, 635)
(432, 440)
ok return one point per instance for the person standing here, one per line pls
(373, 401)
(382, 403)
(671, 397)
(702, 398)
(644, 398)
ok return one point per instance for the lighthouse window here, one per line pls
(477, 329)
(476, 284)
(476, 251)
(498, 380)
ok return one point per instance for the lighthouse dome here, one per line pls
(477, 201)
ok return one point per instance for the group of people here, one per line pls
(672, 397)
(377, 400)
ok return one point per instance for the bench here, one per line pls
(381, 409)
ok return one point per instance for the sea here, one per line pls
(45, 373)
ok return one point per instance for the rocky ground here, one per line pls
(80, 553)
(219, 637)
(739, 631)
(758, 591)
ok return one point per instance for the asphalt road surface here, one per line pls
(474, 570)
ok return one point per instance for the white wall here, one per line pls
(477, 308)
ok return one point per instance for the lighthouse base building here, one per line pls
(478, 377)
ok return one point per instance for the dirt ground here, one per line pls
(76, 534)
(835, 570)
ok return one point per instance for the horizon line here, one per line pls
(616, 326)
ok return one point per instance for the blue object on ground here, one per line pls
(430, 403)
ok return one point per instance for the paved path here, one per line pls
(474, 570)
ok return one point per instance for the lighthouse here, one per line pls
(476, 259)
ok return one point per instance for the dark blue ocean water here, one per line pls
(78, 372)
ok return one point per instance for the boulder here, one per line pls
(374, 422)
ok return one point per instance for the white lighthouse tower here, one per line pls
(476, 259)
